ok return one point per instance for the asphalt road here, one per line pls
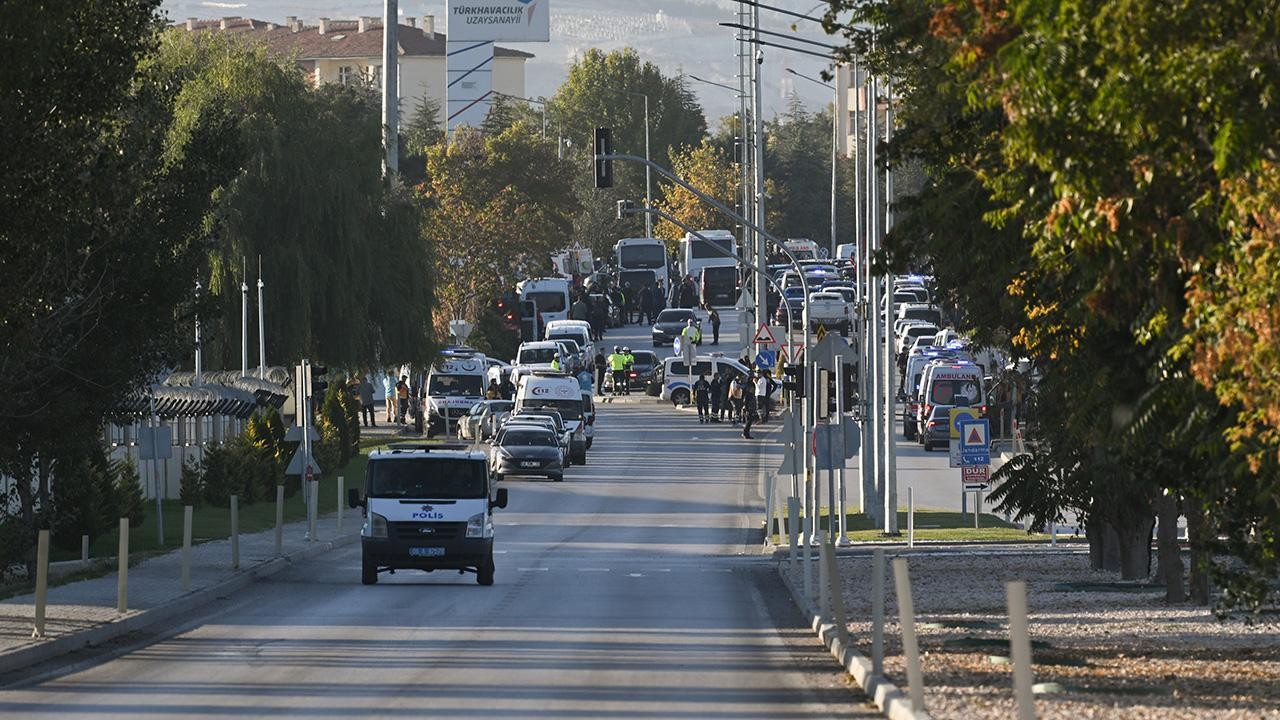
(633, 589)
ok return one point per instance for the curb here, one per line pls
(891, 701)
(133, 621)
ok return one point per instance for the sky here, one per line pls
(675, 35)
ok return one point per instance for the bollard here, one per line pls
(279, 520)
(186, 547)
(877, 611)
(84, 549)
(235, 532)
(122, 575)
(977, 508)
(907, 621)
(911, 518)
(793, 527)
(341, 481)
(837, 597)
(768, 508)
(805, 537)
(824, 600)
(1020, 649)
(42, 581)
(1053, 534)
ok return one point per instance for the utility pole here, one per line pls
(262, 333)
(761, 256)
(199, 381)
(244, 320)
(390, 89)
(891, 449)
(873, 285)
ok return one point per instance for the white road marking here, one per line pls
(533, 569)
(594, 570)
(635, 574)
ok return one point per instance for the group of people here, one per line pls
(619, 364)
(742, 399)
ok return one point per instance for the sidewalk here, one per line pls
(84, 613)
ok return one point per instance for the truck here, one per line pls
(427, 507)
(454, 383)
(829, 310)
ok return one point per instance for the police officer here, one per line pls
(702, 396)
(690, 333)
(555, 363)
(629, 361)
(618, 364)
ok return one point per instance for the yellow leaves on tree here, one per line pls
(708, 170)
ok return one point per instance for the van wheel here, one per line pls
(368, 570)
(680, 397)
(484, 573)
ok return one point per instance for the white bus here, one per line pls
(642, 254)
(718, 248)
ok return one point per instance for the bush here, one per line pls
(84, 495)
(17, 547)
(191, 484)
(128, 491)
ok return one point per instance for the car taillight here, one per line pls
(634, 374)
(928, 410)
(983, 410)
(935, 423)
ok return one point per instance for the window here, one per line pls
(345, 75)
(373, 75)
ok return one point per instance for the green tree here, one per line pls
(100, 226)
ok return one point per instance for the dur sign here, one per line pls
(501, 20)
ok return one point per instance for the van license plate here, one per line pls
(426, 552)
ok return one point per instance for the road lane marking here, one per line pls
(533, 569)
(635, 574)
(594, 570)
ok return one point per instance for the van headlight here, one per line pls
(479, 526)
(376, 526)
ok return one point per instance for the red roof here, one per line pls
(343, 38)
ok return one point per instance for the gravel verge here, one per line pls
(1117, 649)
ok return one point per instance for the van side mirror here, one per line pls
(501, 500)
(353, 498)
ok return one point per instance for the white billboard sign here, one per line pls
(501, 20)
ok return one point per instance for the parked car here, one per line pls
(526, 449)
(483, 420)
(937, 429)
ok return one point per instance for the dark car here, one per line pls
(670, 323)
(937, 429)
(526, 450)
(642, 371)
(795, 300)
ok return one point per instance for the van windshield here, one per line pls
(454, 386)
(529, 356)
(547, 300)
(428, 478)
(577, 335)
(568, 409)
(931, 315)
(948, 391)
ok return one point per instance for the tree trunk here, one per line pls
(1111, 542)
(1169, 553)
(1095, 533)
(1200, 558)
(1134, 548)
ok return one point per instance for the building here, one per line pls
(350, 51)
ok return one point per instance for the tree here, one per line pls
(498, 206)
(711, 172)
(100, 228)
(306, 195)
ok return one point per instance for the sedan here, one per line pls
(937, 429)
(525, 449)
(670, 323)
(483, 419)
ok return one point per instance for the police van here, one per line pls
(454, 384)
(675, 375)
(427, 507)
(548, 390)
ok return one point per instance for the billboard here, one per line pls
(500, 20)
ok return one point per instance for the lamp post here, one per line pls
(835, 150)
(744, 165)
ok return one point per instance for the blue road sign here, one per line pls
(766, 359)
(975, 457)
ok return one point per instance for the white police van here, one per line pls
(454, 384)
(560, 392)
(427, 507)
(675, 375)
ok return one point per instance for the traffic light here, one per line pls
(604, 168)
(792, 381)
(850, 386)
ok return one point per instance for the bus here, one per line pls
(632, 254)
(714, 249)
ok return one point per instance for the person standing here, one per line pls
(402, 398)
(628, 361)
(618, 365)
(735, 397)
(717, 394)
(389, 390)
(366, 402)
(762, 395)
(714, 317)
(600, 365)
(493, 392)
(579, 309)
(702, 396)
(646, 304)
(748, 415)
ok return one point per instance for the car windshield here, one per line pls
(529, 356)
(547, 300)
(667, 316)
(571, 346)
(794, 293)
(568, 409)
(528, 438)
(579, 337)
(642, 256)
(644, 357)
(959, 391)
(454, 385)
(427, 478)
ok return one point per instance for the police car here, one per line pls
(427, 508)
